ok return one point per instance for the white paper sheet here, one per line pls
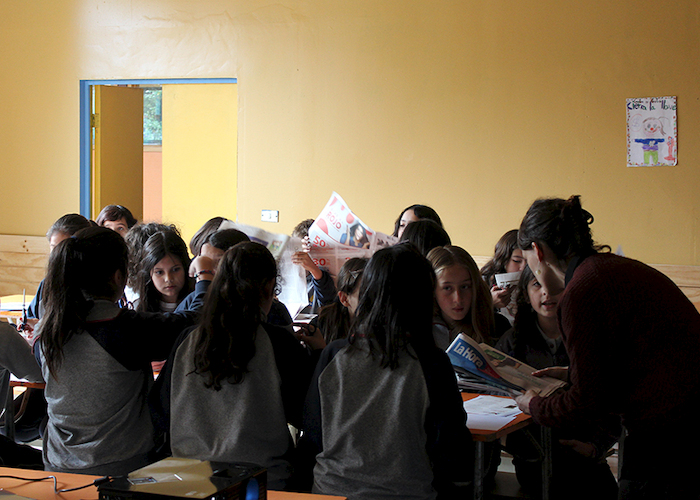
(490, 412)
(487, 422)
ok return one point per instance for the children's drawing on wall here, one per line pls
(651, 132)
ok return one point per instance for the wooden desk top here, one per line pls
(11, 315)
(44, 490)
(11, 306)
(487, 436)
(26, 383)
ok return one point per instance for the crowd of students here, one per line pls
(366, 387)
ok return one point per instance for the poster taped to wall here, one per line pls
(652, 132)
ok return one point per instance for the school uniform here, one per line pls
(99, 422)
(386, 434)
(241, 422)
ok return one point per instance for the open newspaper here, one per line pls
(292, 282)
(482, 368)
(338, 234)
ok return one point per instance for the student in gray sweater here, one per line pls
(234, 382)
(383, 416)
(96, 357)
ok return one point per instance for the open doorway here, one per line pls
(153, 152)
(190, 176)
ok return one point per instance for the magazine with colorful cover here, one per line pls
(496, 369)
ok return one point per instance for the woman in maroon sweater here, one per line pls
(633, 340)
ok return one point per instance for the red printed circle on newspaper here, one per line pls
(350, 218)
(322, 225)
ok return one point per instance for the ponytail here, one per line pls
(80, 269)
(563, 225)
(334, 319)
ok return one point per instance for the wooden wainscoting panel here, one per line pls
(687, 278)
(22, 263)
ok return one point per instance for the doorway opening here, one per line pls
(148, 143)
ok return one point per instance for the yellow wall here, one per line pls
(474, 107)
(152, 183)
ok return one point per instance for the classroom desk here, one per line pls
(12, 317)
(482, 436)
(44, 490)
(11, 307)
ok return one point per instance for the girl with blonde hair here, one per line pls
(462, 299)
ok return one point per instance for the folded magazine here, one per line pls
(481, 368)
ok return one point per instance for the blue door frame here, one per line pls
(85, 132)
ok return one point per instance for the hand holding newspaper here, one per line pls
(495, 370)
(336, 236)
(507, 280)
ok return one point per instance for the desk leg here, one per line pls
(546, 435)
(479, 470)
(10, 414)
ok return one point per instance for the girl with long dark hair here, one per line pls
(383, 413)
(507, 258)
(580, 470)
(162, 280)
(96, 357)
(234, 382)
(335, 319)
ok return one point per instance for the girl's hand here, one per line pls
(557, 372)
(310, 335)
(501, 296)
(27, 328)
(203, 267)
(304, 260)
(306, 244)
